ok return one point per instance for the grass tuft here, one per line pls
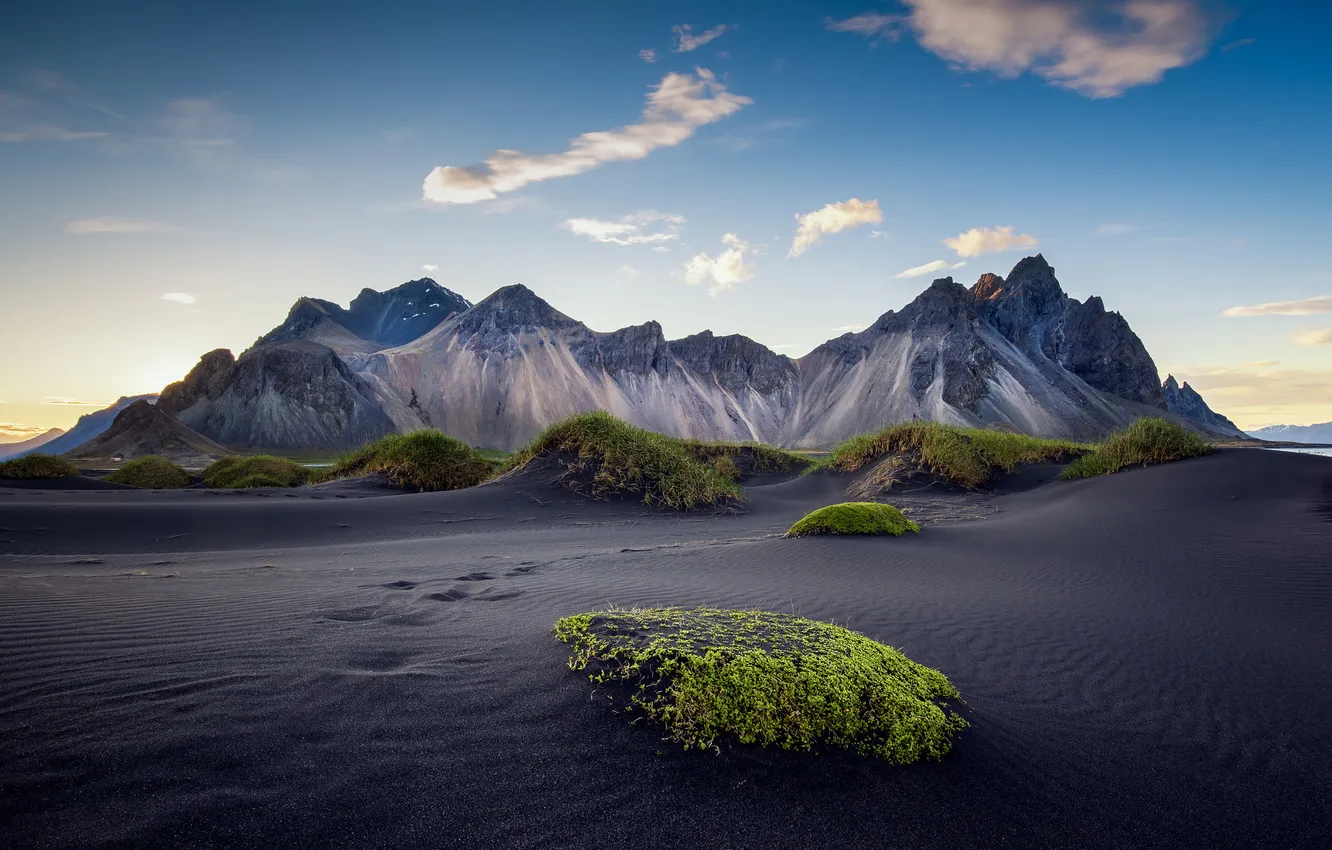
(35, 467)
(421, 460)
(746, 458)
(239, 472)
(769, 679)
(967, 457)
(854, 518)
(1145, 442)
(152, 472)
(609, 458)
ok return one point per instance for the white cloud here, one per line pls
(679, 105)
(849, 329)
(1318, 336)
(430, 267)
(685, 40)
(1305, 307)
(869, 24)
(179, 297)
(725, 270)
(878, 234)
(629, 229)
(629, 270)
(73, 402)
(1095, 48)
(647, 54)
(1114, 229)
(117, 225)
(833, 218)
(929, 268)
(984, 240)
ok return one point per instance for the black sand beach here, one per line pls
(1145, 660)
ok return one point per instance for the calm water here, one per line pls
(1310, 451)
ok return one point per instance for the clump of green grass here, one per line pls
(1145, 442)
(611, 458)
(854, 518)
(421, 460)
(35, 467)
(768, 679)
(967, 457)
(238, 472)
(152, 472)
(747, 458)
(726, 467)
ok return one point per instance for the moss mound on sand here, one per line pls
(738, 461)
(34, 467)
(421, 460)
(967, 457)
(765, 678)
(1145, 442)
(605, 457)
(151, 471)
(237, 472)
(854, 518)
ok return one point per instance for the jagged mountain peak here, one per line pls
(514, 308)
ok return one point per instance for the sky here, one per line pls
(176, 174)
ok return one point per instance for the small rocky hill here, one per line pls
(145, 429)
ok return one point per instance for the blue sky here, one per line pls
(1168, 155)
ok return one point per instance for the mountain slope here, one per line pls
(372, 321)
(1319, 433)
(29, 445)
(146, 429)
(1186, 402)
(90, 425)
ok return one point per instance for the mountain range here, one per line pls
(89, 426)
(20, 447)
(1011, 352)
(1318, 433)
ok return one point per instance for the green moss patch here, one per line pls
(152, 472)
(764, 678)
(36, 467)
(240, 472)
(965, 457)
(854, 518)
(603, 457)
(1145, 442)
(421, 460)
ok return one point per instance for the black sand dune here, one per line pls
(1144, 657)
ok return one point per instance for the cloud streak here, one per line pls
(1317, 336)
(179, 297)
(685, 40)
(929, 268)
(118, 225)
(1304, 307)
(724, 271)
(1094, 48)
(833, 218)
(629, 230)
(679, 105)
(986, 240)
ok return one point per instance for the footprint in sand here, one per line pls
(475, 577)
(453, 594)
(401, 584)
(493, 595)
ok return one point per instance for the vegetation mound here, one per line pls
(765, 678)
(1145, 442)
(34, 467)
(151, 471)
(738, 461)
(965, 457)
(421, 460)
(603, 457)
(854, 518)
(238, 472)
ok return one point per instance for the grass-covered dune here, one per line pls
(965, 457)
(152, 472)
(240, 472)
(1145, 442)
(37, 467)
(764, 678)
(739, 461)
(603, 457)
(854, 518)
(422, 460)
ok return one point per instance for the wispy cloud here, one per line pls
(679, 105)
(985, 240)
(878, 234)
(179, 297)
(871, 25)
(849, 329)
(118, 225)
(629, 230)
(647, 54)
(73, 402)
(16, 433)
(430, 267)
(1114, 229)
(685, 40)
(725, 270)
(1317, 336)
(929, 268)
(1237, 44)
(833, 218)
(1304, 307)
(1097, 49)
